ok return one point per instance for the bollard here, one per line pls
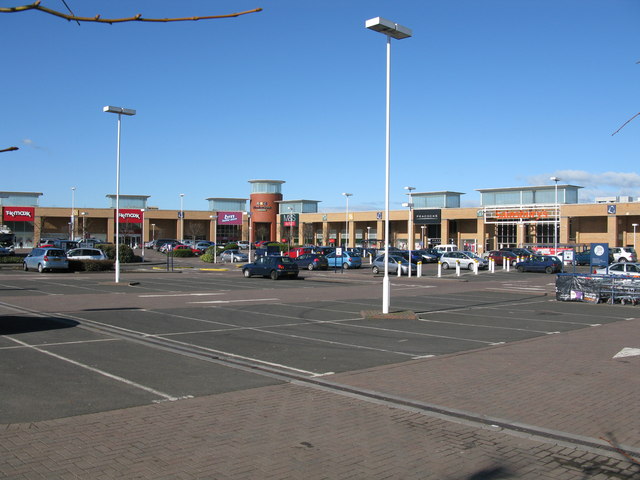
(475, 266)
(457, 268)
(399, 269)
(419, 270)
(508, 265)
(439, 268)
(504, 263)
(492, 265)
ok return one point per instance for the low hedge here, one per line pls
(11, 259)
(182, 253)
(90, 265)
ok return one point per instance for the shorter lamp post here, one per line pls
(84, 231)
(557, 222)
(346, 220)
(422, 227)
(634, 225)
(214, 219)
(368, 236)
(153, 232)
(73, 213)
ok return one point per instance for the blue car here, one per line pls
(346, 260)
(540, 263)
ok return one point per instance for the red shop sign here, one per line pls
(18, 214)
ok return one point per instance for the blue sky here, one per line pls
(486, 94)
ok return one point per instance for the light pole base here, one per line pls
(386, 290)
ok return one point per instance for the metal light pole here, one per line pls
(557, 222)
(142, 236)
(290, 227)
(249, 242)
(120, 111)
(368, 236)
(422, 227)
(181, 217)
(84, 232)
(634, 225)
(214, 219)
(153, 232)
(346, 219)
(391, 30)
(410, 226)
(73, 214)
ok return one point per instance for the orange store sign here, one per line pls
(522, 214)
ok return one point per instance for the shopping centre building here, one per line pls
(518, 216)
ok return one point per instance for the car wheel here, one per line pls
(345, 265)
(274, 275)
(520, 269)
(445, 266)
(24, 267)
(40, 268)
(310, 266)
(548, 270)
(470, 267)
(375, 270)
(246, 273)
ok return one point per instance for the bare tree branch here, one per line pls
(623, 125)
(137, 18)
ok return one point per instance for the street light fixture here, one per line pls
(557, 222)
(73, 215)
(410, 226)
(391, 30)
(634, 225)
(120, 111)
(346, 219)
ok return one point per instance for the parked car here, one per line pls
(466, 259)
(273, 267)
(46, 258)
(346, 260)
(4, 251)
(195, 251)
(427, 256)
(161, 241)
(296, 252)
(243, 245)
(395, 262)
(623, 254)
(584, 258)
(86, 254)
(323, 250)
(520, 252)
(450, 247)
(233, 256)
(540, 263)
(621, 268)
(312, 261)
(415, 256)
(168, 246)
(150, 244)
(501, 256)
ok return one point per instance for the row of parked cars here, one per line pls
(51, 258)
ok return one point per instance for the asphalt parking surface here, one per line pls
(79, 343)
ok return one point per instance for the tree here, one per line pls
(98, 18)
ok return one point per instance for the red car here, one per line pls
(499, 256)
(296, 252)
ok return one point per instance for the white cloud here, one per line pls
(595, 184)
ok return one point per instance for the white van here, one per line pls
(450, 247)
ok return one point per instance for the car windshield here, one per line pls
(286, 260)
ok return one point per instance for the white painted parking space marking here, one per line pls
(428, 320)
(81, 342)
(627, 352)
(162, 295)
(236, 301)
(164, 396)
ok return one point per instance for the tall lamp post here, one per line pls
(410, 240)
(634, 225)
(557, 222)
(181, 217)
(142, 236)
(391, 30)
(73, 214)
(346, 219)
(422, 227)
(120, 111)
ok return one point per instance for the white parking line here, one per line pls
(235, 301)
(179, 295)
(165, 396)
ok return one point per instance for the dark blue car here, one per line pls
(312, 261)
(273, 267)
(540, 263)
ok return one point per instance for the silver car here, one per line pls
(46, 258)
(622, 268)
(395, 262)
(233, 256)
(466, 259)
(86, 254)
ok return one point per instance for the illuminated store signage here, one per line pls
(130, 215)
(529, 214)
(229, 218)
(18, 214)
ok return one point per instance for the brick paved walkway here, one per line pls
(566, 382)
